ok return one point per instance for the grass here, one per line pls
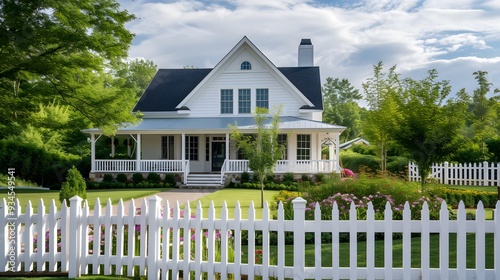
(35, 194)
(231, 196)
(474, 188)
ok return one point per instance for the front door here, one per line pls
(218, 155)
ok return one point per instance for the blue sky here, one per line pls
(455, 37)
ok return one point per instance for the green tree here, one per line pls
(49, 47)
(383, 114)
(483, 117)
(430, 125)
(74, 184)
(341, 107)
(262, 149)
(135, 75)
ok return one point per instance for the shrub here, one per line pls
(121, 178)
(154, 178)
(305, 178)
(137, 178)
(320, 177)
(74, 184)
(245, 177)
(108, 178)
(288, 178)
(355, 161)
(170, 180)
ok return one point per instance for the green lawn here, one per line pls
(35, 194)
(474, 188)
(231, 196)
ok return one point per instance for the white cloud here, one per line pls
(455, 37)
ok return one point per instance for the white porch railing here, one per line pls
(284, 166)
(162, 165)
(115, 165)
(130, 165)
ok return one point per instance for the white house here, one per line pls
(185, 130)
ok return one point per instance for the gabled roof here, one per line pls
(348, 144)
(170, 86)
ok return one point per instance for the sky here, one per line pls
(455, 37)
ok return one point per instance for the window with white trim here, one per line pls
(226, 101)
(303, 147)
(283, 141)
(245, 65)
(167, 147)
(262, 98)
(244, 101)
(192, 144)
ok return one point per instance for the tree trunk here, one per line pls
(261, 193)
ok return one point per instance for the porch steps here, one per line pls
(203, 181)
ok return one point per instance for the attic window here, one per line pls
(245, 65)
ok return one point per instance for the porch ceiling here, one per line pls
(218, 125)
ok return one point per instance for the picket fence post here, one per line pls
(445, 173)
(486, 173)
(75, 237)
(154, 203)
(299, 214)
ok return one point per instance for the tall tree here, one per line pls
(135, 75)
(341, 106)
(430, 125)
(483, 116)
(48, 47)
(382, 115)
(262, 149)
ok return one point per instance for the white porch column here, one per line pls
(337, 151)
(183, 147)
(318, 147)
(138, 154)
(227, 146)
(112, 146)
(92, 152)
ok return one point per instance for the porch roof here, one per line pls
(218, 125)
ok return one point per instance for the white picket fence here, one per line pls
(155, 249)
(469, 174)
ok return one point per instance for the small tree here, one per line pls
(74, 184)
(262, 149)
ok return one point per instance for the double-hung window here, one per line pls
(283, 141)
(262, 98)
(303, 147)
(244, 101)
(192, 144)
(226, 101)
(167, 147)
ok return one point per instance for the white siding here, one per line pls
(151, 146)
(207, 101)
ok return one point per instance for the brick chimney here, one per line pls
(306, 53)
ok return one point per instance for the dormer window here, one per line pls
(245, 65)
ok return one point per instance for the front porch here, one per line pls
(203, 146)
(181, 167)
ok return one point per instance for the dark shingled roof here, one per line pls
(170, 86)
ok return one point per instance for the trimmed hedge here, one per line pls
(356, 162)
(470, 198)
